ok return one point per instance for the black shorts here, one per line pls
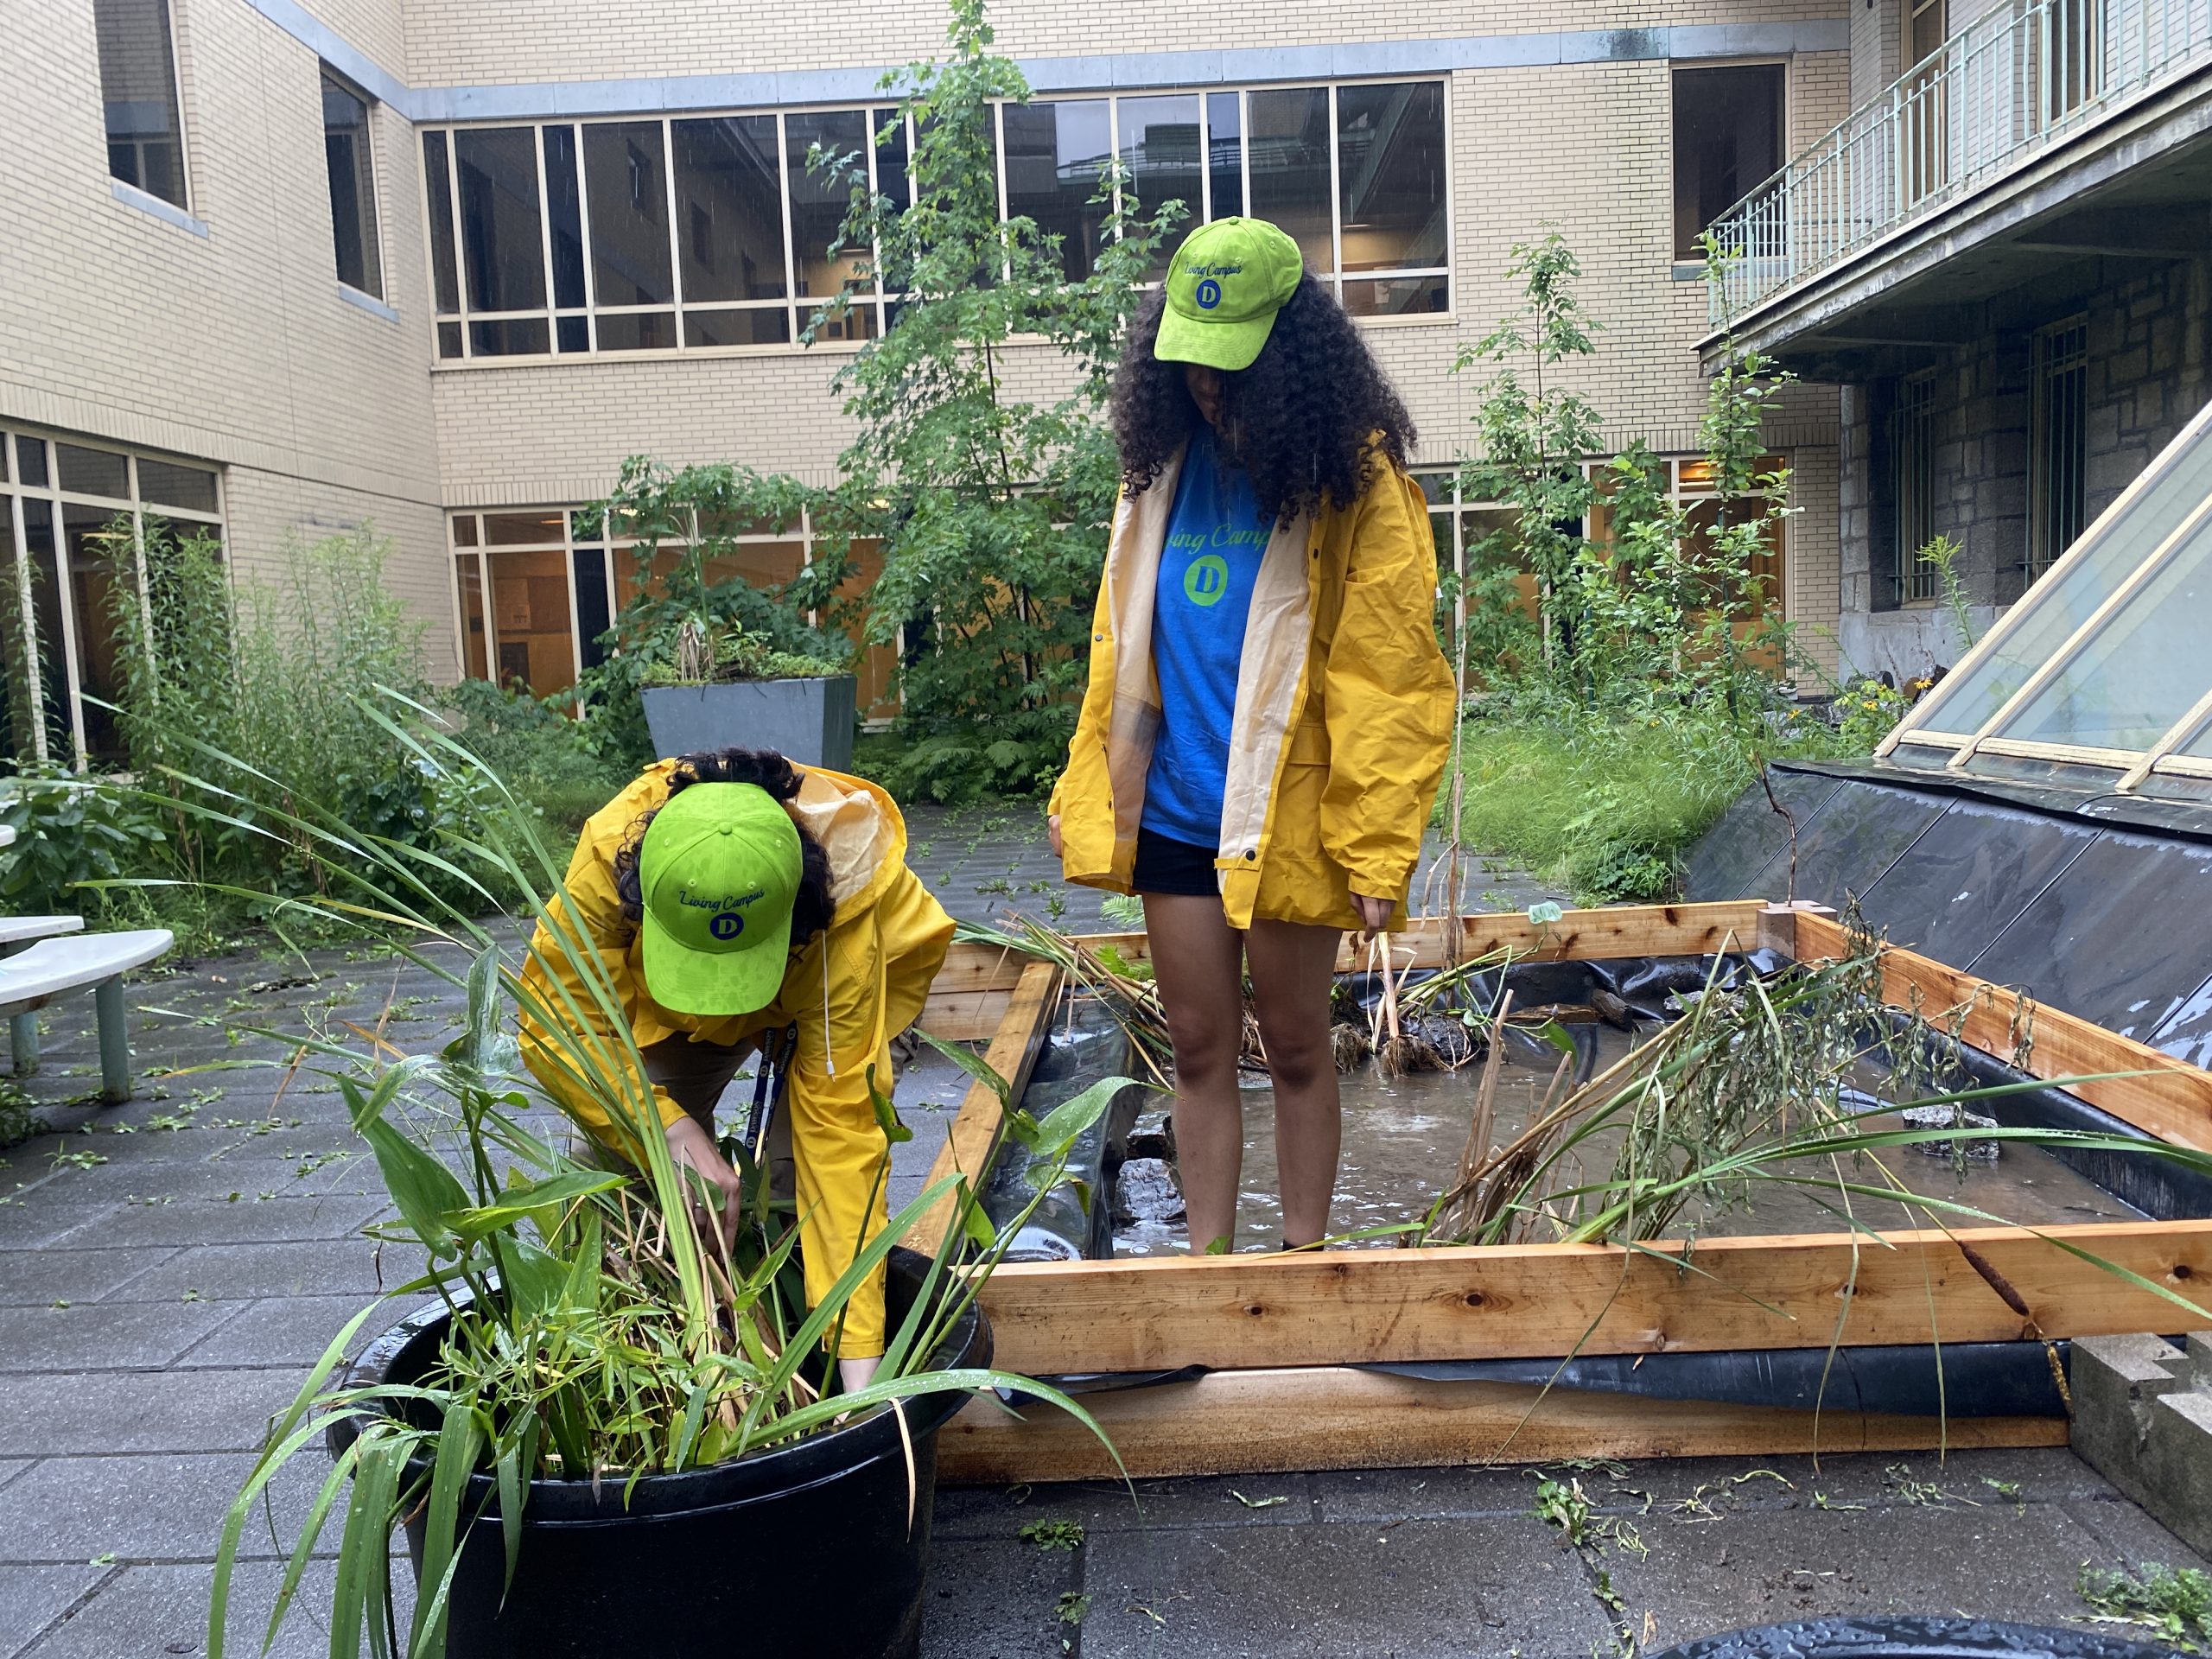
(1174, 869)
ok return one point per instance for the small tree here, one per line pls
(1533, 438)
(991, 504)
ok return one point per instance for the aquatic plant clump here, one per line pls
(1751, 1090)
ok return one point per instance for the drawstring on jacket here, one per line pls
(828, 1060)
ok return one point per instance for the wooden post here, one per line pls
(1331, 1417)
(1540, 1300)
(2154, 1091)
(974, 1135)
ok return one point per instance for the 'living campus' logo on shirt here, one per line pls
(1207, 579)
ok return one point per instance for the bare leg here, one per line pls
(1198, 958)
(1292, 968)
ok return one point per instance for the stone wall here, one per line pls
(2146, 376)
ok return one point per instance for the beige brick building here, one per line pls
(538, 236)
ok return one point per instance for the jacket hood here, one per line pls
(860, 826)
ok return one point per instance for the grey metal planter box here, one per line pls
(807, 720)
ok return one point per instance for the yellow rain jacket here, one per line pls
(1343, 709)
(854, 986)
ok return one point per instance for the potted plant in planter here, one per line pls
(723, 686)
(605, 1432)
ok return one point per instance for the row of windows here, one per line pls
(58, 573)
(711, 231)
(533, 590)
(145, 132)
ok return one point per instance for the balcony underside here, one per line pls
(2130, 193)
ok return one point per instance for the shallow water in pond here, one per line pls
(1403, 1140)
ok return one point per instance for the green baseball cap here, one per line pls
(1224, 286)
(719, 870)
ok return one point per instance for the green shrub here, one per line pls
(245, 684)
(541, 752)
(69, 830)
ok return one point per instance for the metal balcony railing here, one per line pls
(2008, 85)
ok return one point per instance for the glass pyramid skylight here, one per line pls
(2102, 673)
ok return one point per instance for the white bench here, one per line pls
(54, 966)
(23, 1029)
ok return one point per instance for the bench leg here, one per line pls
(115, 1041)
(23, 1037)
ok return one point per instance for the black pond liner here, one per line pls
(803, 1548)
(1912, 1638)
(1985, 1379)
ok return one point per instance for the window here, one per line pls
(1728, 142)
(57, 572)
(145, 133)
(350, 156)
(1923, 131)
(711, 232)
(535, 589)
(2058, 442)
(1912, 485)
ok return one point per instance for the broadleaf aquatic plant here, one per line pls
(592, 1332)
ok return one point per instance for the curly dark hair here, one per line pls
(763, 769)
(1303, 419)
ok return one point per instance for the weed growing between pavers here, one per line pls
(2176, 1603)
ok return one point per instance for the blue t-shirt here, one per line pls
(1216, 539)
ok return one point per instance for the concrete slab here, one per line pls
(2017, 1562)
(25, 1225)
(249, 1272)
(97, 1413)
(2132, 1534)
(144, 1508)
(34, 1278)
(161, 1610)
(284, 1331)
(1102, 1507)
(997, 1600)
(220, 1221)
(104, 1335)
(32, 1597)
(1413, 1589)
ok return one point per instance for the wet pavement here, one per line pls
(168, 1269)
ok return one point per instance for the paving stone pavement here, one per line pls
(170, 1267)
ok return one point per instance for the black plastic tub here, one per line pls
(802, 1549)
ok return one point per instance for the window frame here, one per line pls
(2046, 364)
(373, 226)
(183, 136)
(799, 309)
(803, 531)
(1677, 67)
(1919, 584)
(16, 494)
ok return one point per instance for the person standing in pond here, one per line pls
(1268, 712)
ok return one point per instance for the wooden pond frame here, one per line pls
(1282, 1334)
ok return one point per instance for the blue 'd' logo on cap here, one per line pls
(1208, 294)
(727, 925)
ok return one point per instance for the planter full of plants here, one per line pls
(726, 688)
(611, 1429)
